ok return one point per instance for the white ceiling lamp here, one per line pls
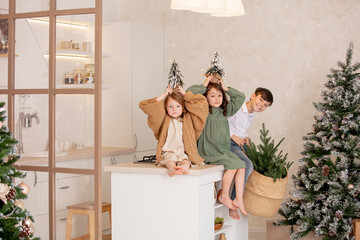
(188, 4)
(213, 6)
(233, 8)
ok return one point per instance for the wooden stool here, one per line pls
(85, 208)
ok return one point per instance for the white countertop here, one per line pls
(76, 155)
(150, 168)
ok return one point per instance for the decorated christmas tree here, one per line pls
(326, 198)
(175, 76)
(215, 66)
(15, 220)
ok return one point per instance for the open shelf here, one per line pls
(85, 85)
(6, 54)
(75, 53)
(218, 205)
(223, 229)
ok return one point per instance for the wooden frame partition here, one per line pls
(52, 13)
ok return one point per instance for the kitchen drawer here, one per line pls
(74, 190)
(41, 226)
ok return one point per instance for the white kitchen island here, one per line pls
(148, 204)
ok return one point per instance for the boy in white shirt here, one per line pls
(239, 124)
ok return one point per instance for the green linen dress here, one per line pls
(214, 141)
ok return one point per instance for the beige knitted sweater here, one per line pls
(194, 119)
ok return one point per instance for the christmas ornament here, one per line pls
(326, 170)
(26, 230)
(25, 189)
(175, 76)
(332, 233)
(350, 186)
(316, 130)
(20, 204)
(339, 214)
(11, 195)
(215, 67)
(4, 190)
(302, 170)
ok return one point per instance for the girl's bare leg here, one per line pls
(185, 166)
(226, 183)
(239, 187)
(173, 169)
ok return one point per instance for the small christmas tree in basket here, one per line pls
(215, 68)
(15, 221)
(175, 76)
(266, 186)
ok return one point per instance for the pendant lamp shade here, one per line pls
(213, 6)
(233, 8)
(188, 4)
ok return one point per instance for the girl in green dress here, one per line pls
(214, 142)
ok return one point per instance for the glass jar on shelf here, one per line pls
(90, 75)
(68, 77)
(79, 74)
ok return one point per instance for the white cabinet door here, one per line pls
(37, 201)
(41, 226)
(74, 190)
(148, 79)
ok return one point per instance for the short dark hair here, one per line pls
(265, 94)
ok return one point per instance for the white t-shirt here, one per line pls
(240, 122)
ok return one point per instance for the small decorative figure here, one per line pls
(175, 76)
(215, 68)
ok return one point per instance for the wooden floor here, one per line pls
(257, 236)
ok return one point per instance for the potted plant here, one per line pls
(266, 187)
(219, 222)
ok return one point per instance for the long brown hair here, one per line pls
(177, 97)
(224, 101)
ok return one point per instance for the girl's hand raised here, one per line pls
(221, 82)
(181, 90)
(168, 91)
(209, 78)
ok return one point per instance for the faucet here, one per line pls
(25, 121)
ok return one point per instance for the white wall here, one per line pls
(286, 46)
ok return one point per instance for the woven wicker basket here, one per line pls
(263, 196)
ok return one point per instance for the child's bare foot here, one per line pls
(176, 170)
(185, 166)
(240, 204)
(234, 214)
(226, 201)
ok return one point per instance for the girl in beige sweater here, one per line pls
(177, 119)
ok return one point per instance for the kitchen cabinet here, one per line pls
(70, 189)
(133, 72)
(165, 204)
